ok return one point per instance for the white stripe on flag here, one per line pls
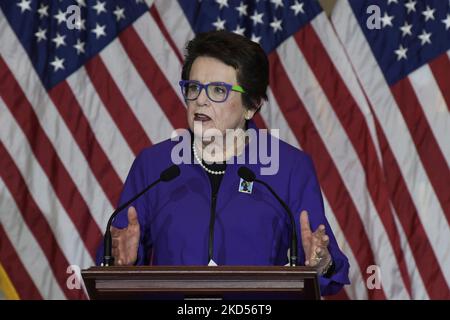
(27, 248)
(136, 93)
(103, 126)
(397, 133)
(334, 49)
(149, 3)
(345, 159)
(52, 124)
(418, 289)
(161, 51)
(434, 107)
(175, 22)
(41, 189)
(274, 119)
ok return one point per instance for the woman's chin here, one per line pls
(205, 129)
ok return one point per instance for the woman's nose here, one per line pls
(202, 98)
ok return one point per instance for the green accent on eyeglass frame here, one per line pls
(238, 89)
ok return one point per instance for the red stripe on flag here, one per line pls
(355, 126)
(117, 106)
(69, 109)
(154, 78)
(341, 295)
(426, 260)
(155, 14)
(428, 149)
(48, 158)
(36, 221)
(260, 123)
(24, 285)
(440, 67)
(329, 178)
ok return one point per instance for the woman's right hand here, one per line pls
(125, 241)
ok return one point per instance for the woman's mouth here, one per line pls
(201, 117)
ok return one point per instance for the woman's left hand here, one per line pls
(315, 245)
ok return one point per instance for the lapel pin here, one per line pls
(245, 186)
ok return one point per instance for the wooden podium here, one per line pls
(201, 282)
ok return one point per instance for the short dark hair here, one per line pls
(239, 52)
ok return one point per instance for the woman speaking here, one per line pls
(209, 214)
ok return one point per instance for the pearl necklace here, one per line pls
(200, 162)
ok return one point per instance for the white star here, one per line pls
(446, 21)
(59, 40)
(411, 6)
(57, 64)
(119, 13)
(24, 5)
(43, 11)
(239, 30)
(276, 25)
(297, 7)
(100, 7)
(40, 35)
(79, 46)
(429, 13)
(81, 3)
(99, 31)
(406, 29)
(277, 3)
(255, 38)
(257, 18)
(392, 1)
(80, 24)
(222, 3)
(242, 9)
(387, 20)
(401, 53)
(61, 16)
(425, 37)
(219, 24)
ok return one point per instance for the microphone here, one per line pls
(249, 176)
(167, 175)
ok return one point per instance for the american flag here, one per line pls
(404, 70)
(77, 104)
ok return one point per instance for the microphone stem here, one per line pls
(108, 259)
(294, 250)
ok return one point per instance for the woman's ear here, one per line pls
(249, 113)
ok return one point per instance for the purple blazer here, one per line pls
(250, 229)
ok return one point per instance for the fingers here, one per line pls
(325, 240)
(321, 239)
(314, 243)
(321, 256)
(320, 231)
(304, 222)
(132, 217)
(116, 252)
(114, 231)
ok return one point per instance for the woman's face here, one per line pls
(229, 114)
